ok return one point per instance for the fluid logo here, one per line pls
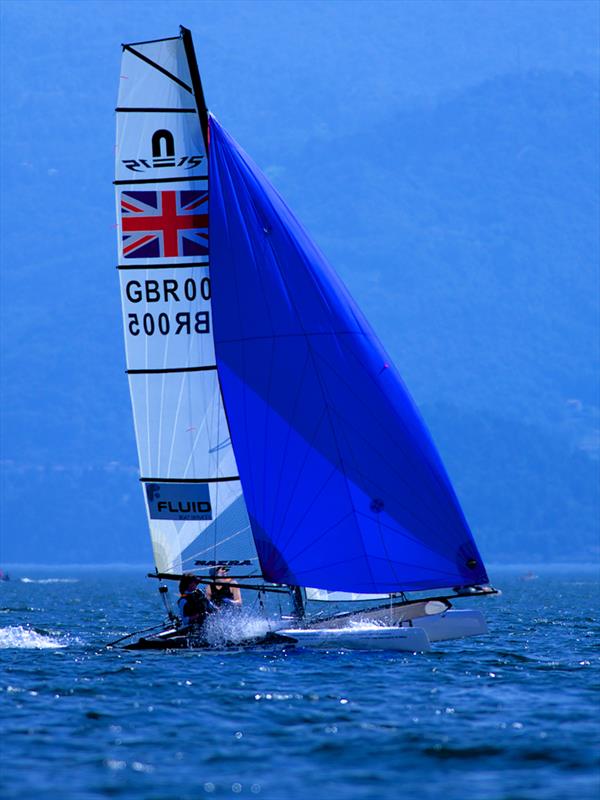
(179, 501)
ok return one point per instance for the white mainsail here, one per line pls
(193, 495)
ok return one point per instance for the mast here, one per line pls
(188, 46)
(203, 114)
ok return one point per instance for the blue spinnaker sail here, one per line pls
(343, 485)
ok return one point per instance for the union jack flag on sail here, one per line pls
(167, 224)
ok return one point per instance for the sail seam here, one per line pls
(262, 249)
(162, 398)
(392, 589)
(158, 67)
(248, 487)
(322, 534)
(308, 509)
(290, 336)
(400, 531)
(441, 522)
(175, 424)
(344, 435)
(312, 356)
(453, 507)
(293, 409)
(291, 493)
(359, 433)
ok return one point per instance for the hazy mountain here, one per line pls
(465, 224)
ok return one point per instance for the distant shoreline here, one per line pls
(519, 566)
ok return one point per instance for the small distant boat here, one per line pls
(274, 433)
(529, 576)
(4, 576)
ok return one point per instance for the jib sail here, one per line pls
(344, 487)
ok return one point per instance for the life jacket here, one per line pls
(220, 592)
(193, 607)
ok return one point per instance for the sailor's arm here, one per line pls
(236, 595)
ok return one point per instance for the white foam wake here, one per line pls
(237, 627)
(365, 624)
(26, 638)
(49, 580)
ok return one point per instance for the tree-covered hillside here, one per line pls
(465, 227)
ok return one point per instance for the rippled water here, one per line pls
(510, 715)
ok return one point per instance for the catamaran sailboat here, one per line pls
(274, 433)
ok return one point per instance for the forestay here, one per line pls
(344, 487)
(191, 485)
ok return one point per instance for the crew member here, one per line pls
(220, 592)
(193, 604)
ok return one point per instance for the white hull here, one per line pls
(454, 624)
(376, 638)
(414, 636)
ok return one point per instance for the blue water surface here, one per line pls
(513, 714)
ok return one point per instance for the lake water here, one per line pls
(513, 715)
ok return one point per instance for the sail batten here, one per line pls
(224, 479)
(158, 67)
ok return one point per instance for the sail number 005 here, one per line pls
(151, 291)
(184, 322)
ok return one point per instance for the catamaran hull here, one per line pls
(415, 636)
(174, 640)
(380, 638)
(377, 638)
(454, 624)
